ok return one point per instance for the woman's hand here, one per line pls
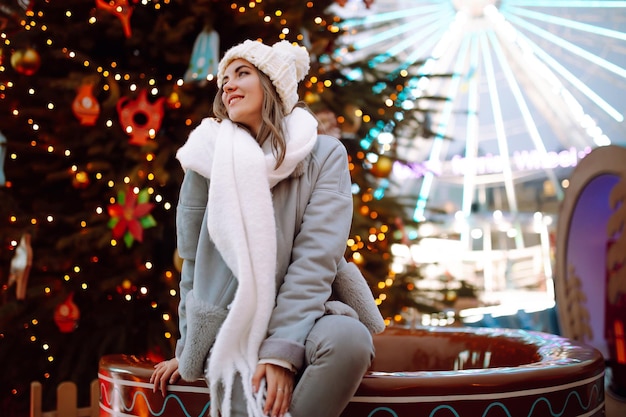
(165, 372)
(280, 382)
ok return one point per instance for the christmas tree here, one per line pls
(96, 98)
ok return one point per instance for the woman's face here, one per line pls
(242, 94)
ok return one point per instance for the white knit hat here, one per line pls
(286, 64)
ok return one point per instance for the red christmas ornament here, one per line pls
(66, 315)
(121, 9)
(26, 61)
(140, 118)
(85, 106)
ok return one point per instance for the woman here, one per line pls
(263, 216)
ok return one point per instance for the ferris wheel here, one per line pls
(533, 86)
(526, 89)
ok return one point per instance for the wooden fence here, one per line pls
(66, 401)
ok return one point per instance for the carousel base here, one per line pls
(431, 372)
(615, 403)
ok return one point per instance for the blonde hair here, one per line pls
(272, 115)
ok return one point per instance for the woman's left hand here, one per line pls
(280, 383)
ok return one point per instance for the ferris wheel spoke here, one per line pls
(428, 32)
(385, 17)
(573, 80)
(420, 51)
(594, 59)
(529, 121)
(430, 25)
(583, 27)
(440, 132)
(471, 132)
(385, 35)
(567, 3)
(499, 124)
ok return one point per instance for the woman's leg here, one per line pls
(339, 350)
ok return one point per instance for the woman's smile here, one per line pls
(234, 99)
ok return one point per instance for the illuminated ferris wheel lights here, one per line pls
(385, 138)
(602, 140)
(575, 81)
(586, 121)
(372, 157)
(539, 88)
(571, 3)
(442, 46)
(594, 131)
(593, 29)
(408, 105)
(474, 8)
(601, 62)
(506, 30)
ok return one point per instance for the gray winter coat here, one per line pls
(313, 213)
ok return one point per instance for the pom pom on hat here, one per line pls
(286, 64)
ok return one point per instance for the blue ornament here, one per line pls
(204, 56)
(3, 151)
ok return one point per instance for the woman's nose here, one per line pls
(228, 86)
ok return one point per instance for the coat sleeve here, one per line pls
(318, 246)
(190, 211)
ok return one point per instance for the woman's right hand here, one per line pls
(165, 372)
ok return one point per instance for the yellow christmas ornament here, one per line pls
(26, 61)
(382, 168)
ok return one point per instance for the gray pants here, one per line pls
(338, 352)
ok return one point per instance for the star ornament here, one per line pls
(130, 215)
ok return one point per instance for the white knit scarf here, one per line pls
(242, 225)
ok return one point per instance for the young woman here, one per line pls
(264, 212)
